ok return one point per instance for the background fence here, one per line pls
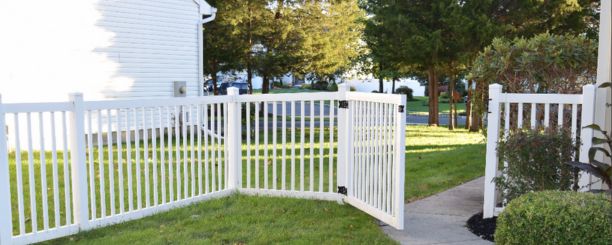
(78, 165)
(509, 111)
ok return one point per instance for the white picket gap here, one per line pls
(119, 160)
(500, 106)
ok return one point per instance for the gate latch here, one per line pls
(400, 109)
(343, 104)
(342, 190)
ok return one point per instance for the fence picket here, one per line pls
(274, 144)
(19, 174)
(284, 146)
(145, 160)
(154, 152)
(54, 170)
(162, 154)
(248, 145)
(92, 185)
(120, 130)
(111, 170)
(302, 138)
(321, 143)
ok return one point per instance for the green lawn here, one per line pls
(288, 91)
(436, 159)
(420, 106)
(244, 220)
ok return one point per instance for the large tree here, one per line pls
(331, 33)
(416, 35)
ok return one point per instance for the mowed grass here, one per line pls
(244, 220)
(436, 159)
(288, 90)
(420, 106)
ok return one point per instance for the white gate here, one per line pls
(375, 159)
(105, 162)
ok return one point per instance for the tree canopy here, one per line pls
(273, 38)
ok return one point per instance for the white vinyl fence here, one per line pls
(572, 111)
(78, 165)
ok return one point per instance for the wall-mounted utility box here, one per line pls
(180, 89)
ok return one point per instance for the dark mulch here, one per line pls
(484, 228)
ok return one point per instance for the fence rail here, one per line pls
(509, 111)
(78, 165)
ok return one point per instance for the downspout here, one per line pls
(205, 19)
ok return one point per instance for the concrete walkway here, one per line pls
(440, 219)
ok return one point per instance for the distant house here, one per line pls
(106, 49)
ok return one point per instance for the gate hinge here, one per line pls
(343, 104)
(400, 109)
(342, 190)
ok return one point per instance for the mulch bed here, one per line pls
(484, 228)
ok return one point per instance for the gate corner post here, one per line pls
(586, 135)
(344, 135)
(492, 159)
(77, 161)
(234, 135)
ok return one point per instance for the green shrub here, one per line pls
(555, 217)
(444, 95)
(332, 87)
(536, 161)
(407, 91)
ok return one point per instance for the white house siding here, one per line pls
(155, 43)
(106, 49)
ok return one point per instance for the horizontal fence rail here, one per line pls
(78, 165)
(510, 111)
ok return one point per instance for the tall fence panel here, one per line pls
(291, 145)
(508, 111)
(79, 165)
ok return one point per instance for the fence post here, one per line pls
(400, 155)
(77, 161)
(586, 135)
(343, 140)
(6, 223)
(492, 160)
(233, 140)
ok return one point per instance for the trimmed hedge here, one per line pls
(556, 217)
(407, 91)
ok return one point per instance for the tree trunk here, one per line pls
(393, 85)
(476, 118)
(451, 102)
(213, 74)
(250, 78)
(468, 105)
(433, 97)
(265, 85)
(249, 57)
(381, 81)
